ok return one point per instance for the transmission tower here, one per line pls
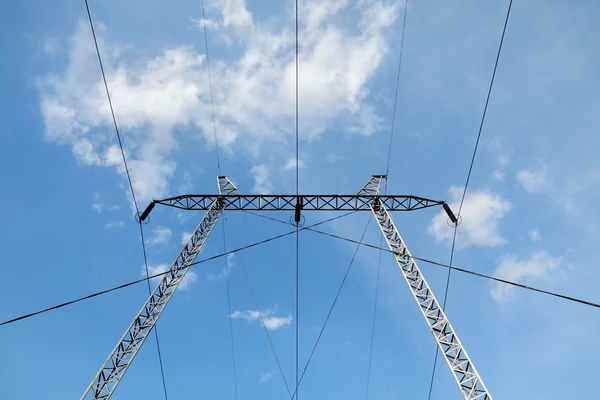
(368, 199)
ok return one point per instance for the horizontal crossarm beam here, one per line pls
(327, 202)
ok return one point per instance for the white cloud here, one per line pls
(534, 235)
(291, 164)
(187, 183)
(187, 281)
(235, 13)
(533, 181)
(332, 158)
(266, 377)
(115, 224)
(500, 172)
(271, 321)
(224, 271)
(97, 204)
(51, 46)
(185, 237)
(538, 265)
(153, 96)
(481, 215)
(262, 183)
(210, 24)
(183, 216)
(161, 235)
(99, 207)
(502, 158)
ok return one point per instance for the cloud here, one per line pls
(161, 235)
(262, 184)
(500, 172)
(153, 97)
(291, 164)
(224, 271)
(187, 183)
(271, 321)
(534, 235)
(533, 181)
(332, 158)
(481, 215)
(266, 377)
(510, 268)
(51, 46)
(201, 22)
(185, 237)
(97, 204)
(190, 277)
(114, 224)
(502, 158)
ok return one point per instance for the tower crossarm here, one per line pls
(327, 202)
(469, 382)
(119, 360)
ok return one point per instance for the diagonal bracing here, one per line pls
(113, 370)
(469, 381)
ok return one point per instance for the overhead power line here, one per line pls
(487, 100)
(214, 120)
(137, 210)
(436, 263)
(308, 228)
(337, 295)
(387, 173)
(262, 321)
(212, 103)
(297, 216)
(80, 299)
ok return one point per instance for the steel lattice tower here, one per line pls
(368, 199)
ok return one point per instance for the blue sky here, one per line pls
(530, 214)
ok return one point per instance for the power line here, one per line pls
(111, 107)
(162, 372)
(387, 169)
(297, 217)
(436, 263)
(374, 319)
(262, 321)
(229, 311)
(212, 103)
(463, 270)
(337, 295)
(387, 173)
(80, 299)
(467, 183)
(309, 228)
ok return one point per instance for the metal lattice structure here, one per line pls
(323, 202)
(110, 374)
(368, 199)
(460, 364)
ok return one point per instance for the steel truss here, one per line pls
(469, 382)
(113, 370)
(111, 373)
(325, 202)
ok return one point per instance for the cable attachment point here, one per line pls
(142, 218)
(451, 215)
(297, 210)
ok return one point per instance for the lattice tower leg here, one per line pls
(469, 381)
(113, 370)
